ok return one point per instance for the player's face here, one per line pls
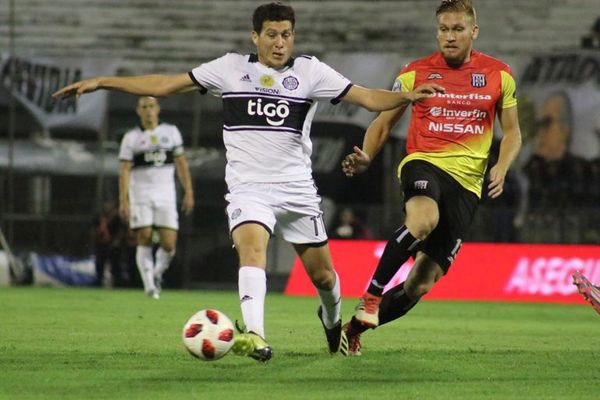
(552, 133)
(275, 43)
(456, 32)
(148, 110)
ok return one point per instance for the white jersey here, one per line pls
(152, 153)
(267, 113)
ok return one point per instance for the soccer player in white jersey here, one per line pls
(149, 156)
(269, 100)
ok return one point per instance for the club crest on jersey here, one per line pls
(290, 83)
(236, 213)
(267, 81)
(421, 185)
(153, 139)
(435, 75)
(478, 80)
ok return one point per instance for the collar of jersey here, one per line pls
(254, 59)
(144, 130)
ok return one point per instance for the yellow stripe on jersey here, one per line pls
(408, 80)
(509, 97)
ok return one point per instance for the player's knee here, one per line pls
(252, 255)
(144, 239)
(423, 227)
(169, 247)
(323, 279)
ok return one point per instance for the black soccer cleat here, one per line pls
(336, 337)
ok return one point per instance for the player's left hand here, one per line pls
(426, 90)
(188, 203)
(496, 186)
(78, 88)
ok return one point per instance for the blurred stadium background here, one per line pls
(58, 163)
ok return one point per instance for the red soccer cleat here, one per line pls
(590, 292)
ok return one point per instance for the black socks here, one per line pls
(397, 250)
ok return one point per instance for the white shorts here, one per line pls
(289, 210)
(154, 211)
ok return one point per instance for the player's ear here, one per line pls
(254, 36)
(475, 33)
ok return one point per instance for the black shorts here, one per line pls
(456, 204)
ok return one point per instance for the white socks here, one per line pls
(331, 301)
(252, 285)
(145, 264)
(163, 259)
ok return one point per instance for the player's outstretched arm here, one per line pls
(382, 100)
(509, 149)
(144, 85)
(375, 137)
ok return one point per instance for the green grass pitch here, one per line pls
(118, 344)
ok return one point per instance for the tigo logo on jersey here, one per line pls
(280, 110)
(478, 80)
(290, 83)
(157, 157)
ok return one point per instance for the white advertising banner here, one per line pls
(36, 78)
(561, 91)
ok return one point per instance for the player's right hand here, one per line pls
(124, 210)
(356, 163)
(78, 88)
(426, 90)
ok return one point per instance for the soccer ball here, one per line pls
(208, 335)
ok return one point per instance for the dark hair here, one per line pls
(275, 11)
(456, 6)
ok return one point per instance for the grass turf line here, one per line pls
(118, 344)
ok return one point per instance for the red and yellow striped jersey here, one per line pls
(454, 130)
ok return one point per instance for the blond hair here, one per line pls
(465, 6)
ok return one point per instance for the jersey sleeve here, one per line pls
(509, 90)
(211, 75)
(177, 142)
(328, 84)
(405, 81)
(125, 151)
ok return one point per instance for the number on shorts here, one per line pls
(315, 221)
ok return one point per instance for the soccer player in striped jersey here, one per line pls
(442, 176)
(269, 100)
(150, 155)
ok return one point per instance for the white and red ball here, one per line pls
(208, 335)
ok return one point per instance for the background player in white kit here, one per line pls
(269, 100)
(149, 156)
